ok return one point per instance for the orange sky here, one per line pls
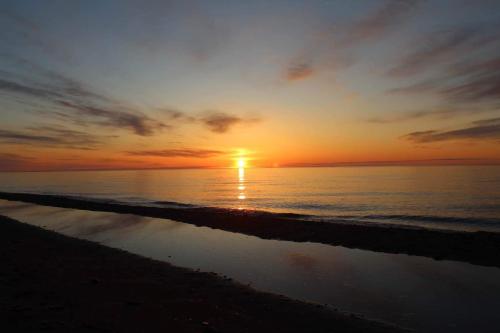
(195, 84)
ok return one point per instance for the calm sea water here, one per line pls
(454, 197)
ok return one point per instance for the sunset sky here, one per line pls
(152, 84)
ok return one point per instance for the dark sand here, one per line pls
(482, 248)
(53, 283)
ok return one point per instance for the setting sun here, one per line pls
(241, 163)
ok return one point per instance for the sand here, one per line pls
(54, 283)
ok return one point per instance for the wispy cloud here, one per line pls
(72, 101)
(380, 22)
(465, 81)
(215, 121)
(465, 63)
(9, 161)
(299, 71)
(54, 137)
(137, 122)
(332, 49)
(479, 82)
(184, 152)
(176, 115)
(28, 32)
(415, 88)
(410, 116)
(487, 129)
(439, 113)
(441, 46)
(219, 122)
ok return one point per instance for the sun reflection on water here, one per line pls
(241, 182)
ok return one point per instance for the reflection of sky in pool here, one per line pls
(410, 291)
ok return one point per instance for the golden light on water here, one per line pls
(241, 164)
(241, 183)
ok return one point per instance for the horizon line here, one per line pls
(424, 162)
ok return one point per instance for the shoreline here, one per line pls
(481, 247)
(60, 284)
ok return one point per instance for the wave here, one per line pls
(465, 245)
(422, 221)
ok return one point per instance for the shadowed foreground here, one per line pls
(51, 282)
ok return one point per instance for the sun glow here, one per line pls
(240, 158)
(241, 162)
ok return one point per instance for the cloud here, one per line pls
(176, 115)
(472, 70)
(299, 72)
(54, 137)
(380, 21)
(17, 88)
(479, 82)
(415, 88)
(184, 152)
(441, 114)
(9, 161)
(215, 121)
(28, 33)
(219, 122)
(137, 122)
(440, 47)
(72, 101)
(444, 112)
(486, 122)
(332, 49)
(487, 129)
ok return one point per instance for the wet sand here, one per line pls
(50, 282)
(482, 248)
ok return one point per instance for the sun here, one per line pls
(240, 159)
(241, 162)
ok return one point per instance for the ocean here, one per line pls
(444, 197)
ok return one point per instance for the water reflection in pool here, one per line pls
(415, 292)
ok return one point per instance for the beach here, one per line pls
(55, 283)
(482, 248)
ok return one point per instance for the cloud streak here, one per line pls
(184, 152)
(440, 113)
(299, 71)
(78, 104)
(219, 122)
(332, 49)
(380, 22)
(439, 47)
(464, 82)
(138, 123)
(74, 103)
(9, 161)
(53, 137)
(465, 62)
(487, 129)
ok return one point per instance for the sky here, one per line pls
(173, 84)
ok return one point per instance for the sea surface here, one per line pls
(445, 197)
